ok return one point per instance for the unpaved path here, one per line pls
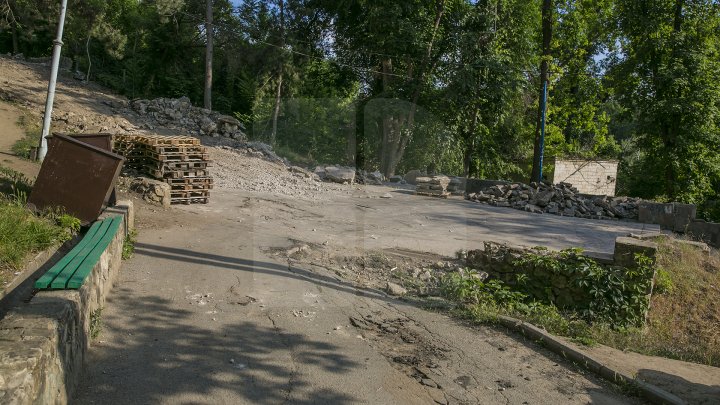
(202, 314)
(11, 132)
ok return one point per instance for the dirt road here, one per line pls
(205, 314)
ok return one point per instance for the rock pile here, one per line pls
(456, 185)
(179, 113)
(561, 199)
(152, 191)
(375, 178)
(336, 174)
(435, 186)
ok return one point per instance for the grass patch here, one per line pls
(129, 245)
(683, 318)
(21, 231)
(95, 323)
(33, 130)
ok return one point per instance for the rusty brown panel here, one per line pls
(102, 141)
(77, 176)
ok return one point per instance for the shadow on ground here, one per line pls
(161, 358)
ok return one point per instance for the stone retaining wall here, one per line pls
(679, 218)
(43, 343)
(559, 287)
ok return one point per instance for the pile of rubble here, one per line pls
(435, 186)
(336, 174)
(179, 113)
(561, 199)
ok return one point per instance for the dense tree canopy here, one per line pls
(399, 85)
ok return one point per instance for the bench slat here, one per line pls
(47, 278)
(61, 280)
(77, 279)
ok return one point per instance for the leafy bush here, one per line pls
(611, 294)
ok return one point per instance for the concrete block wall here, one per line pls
(43, 344)
(596, 177)
(680, 218)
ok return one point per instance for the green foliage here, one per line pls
(14, 185)
(612, 295)
(96, 323)
(22, 233)
(129, 245)
(663, 282)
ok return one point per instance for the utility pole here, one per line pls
(208, 54)
(57, 47)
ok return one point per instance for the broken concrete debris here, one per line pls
(395, 289)
(336, 174)
(435, 186)
(179, 113)
(560, 199)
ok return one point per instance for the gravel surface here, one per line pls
(238, 170)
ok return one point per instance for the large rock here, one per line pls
(340, 174)
(412, 175)
(153, 191)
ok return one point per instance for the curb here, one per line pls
(648, 391)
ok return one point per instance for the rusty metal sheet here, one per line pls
(76, 176)
(102, 141)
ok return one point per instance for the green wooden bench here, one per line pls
(71, 271)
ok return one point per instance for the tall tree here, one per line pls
(209, 33)
(547, 24)
(667, 77)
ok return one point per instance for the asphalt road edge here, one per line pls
(648, 391)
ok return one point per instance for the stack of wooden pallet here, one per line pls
(435, 186)
(178, 160)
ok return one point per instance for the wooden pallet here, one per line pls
(190, 180)
(178, 157)
(192, 200)
(175, 174)
(175, 149)
(191, 187)
(154, 140)
(188, 194)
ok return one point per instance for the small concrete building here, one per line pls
(597, 177)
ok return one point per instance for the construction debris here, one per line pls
(435, 186)
(179, 161)
(561, 199)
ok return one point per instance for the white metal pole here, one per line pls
(57, 47)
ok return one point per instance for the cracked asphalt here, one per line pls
(203, 314)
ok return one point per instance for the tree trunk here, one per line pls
(276, 110)
(87, 51)
(470, 145)
(394, 144)
(16, 48)
(208, 54)
(547, 20)
(278, 93)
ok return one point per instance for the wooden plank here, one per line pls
(77, 279)
(61, 280)
(47, 278)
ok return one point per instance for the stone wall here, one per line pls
(680, 218)
(595, 177)
(554, 286)
(43, 344)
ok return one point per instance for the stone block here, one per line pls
(626, 248)
(656, 213)
(709, 232)
(683, 214)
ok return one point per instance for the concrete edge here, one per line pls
(44, 343)
(650, 392)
